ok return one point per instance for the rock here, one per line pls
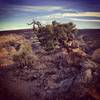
(66, 84)
(25, 67)
(88, 64)
(96, 55)
(88, 74)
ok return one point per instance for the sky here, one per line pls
(14, 14)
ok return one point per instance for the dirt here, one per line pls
(55, 76)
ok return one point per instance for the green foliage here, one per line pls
(56, 35)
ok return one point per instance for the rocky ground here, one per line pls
(55, 76)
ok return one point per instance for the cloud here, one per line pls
(83, 14)
(85, 20)
(80, 14)
(73, 16)
(38, 8)
(31, 8)
(45, 14)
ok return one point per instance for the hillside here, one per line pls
(49, 64)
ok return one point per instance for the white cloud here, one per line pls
(39, 8)
(85, 20)
(72, 16)
(83, 14)
(32, 8)
(80, 14)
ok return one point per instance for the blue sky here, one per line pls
(14, 14)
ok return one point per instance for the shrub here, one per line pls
(25, 56)
(56, 35)
(24, 59)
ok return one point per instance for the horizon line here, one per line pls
(31, 29)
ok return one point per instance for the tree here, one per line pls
(54, 23)
(56, 35)
(35, 23)
(71, 30)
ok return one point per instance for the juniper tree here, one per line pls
(56, 35)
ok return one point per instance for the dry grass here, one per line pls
(7, 51)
